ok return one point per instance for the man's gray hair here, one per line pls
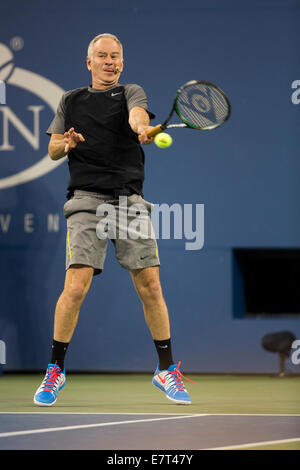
(100, 36)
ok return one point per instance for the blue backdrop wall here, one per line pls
(246, 174)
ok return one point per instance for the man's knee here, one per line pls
(77, 284)
(75, 291)
(150, 291)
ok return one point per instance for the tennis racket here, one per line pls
(200, 105)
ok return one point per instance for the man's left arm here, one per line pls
(139, 123)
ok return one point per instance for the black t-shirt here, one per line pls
(111, 157)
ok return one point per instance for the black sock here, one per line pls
(58, 353)
(164, 352)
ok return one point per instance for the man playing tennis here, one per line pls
(99, 128)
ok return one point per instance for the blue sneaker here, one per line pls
(170, 382)
(54, 381)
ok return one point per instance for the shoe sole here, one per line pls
(178, 402)
(40, 403)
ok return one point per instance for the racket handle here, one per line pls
(156, 130)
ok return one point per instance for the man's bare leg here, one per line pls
(167, 378)
(77, 283)
(148, 287)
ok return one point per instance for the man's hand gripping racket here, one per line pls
(200, 105)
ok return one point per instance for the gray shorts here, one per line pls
(93, 219)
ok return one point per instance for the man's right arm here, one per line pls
(56, 147)
(61, 144)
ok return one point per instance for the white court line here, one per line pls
(254, 444)
(87, 426)
(140, 414)
(71, 413)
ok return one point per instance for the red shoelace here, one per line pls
(178, 376)
(51, 378)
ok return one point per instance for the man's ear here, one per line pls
(88, 63)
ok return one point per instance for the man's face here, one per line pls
(106, 63)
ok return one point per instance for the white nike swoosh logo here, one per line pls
(114, 94)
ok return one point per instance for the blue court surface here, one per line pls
(136, 431)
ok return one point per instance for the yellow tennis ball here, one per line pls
(163, 140)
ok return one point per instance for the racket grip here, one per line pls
(156, 130)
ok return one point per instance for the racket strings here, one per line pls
(202, 106)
